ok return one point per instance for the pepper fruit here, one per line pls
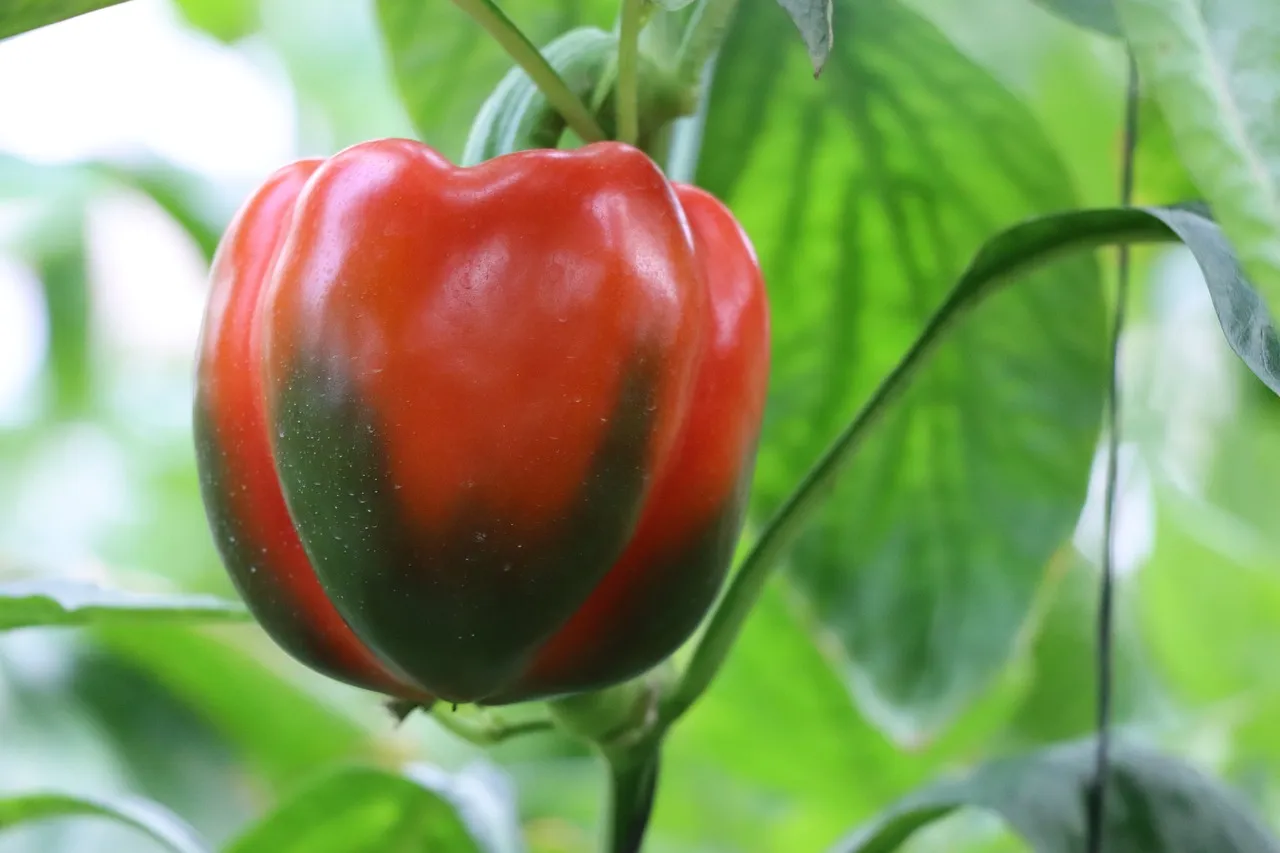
(483, 433)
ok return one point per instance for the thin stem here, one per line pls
(527, 56)
(628, 101)
(1106, 599)
(485, 730)
(633, 782)
(702, 37)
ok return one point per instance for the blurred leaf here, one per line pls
(1156, 804)
(1096, 15)
(426, 40)
(165, 750)
(1214, 67)
(159, 823)
(195, 203)
(19, 16)
(1210, 600)
(283, 731)
(1061, 702)
(50, 601)
(363, 809)
(185, 196)
(776, 758)
(865, 194)
(226, 20)
(58, 258)
(813, 19)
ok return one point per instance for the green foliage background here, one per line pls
(938, 612)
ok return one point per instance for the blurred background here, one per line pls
(127, 139)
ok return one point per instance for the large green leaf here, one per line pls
(1214, 66)
(368, 809)
(154, 820)
(865, 194)
(445, 65)
(19, 16)
(1155, 805)
(28, 603)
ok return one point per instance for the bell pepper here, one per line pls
(480, 433)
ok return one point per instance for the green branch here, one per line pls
(484, 729)
(628, 101)
(527, 56)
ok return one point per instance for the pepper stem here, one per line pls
(525, 54)
(628, 103)
(633, 783)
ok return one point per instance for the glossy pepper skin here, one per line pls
(483, 434)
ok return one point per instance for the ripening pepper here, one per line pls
(482, 434)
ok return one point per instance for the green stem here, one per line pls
(484, 729)
(527, 56)
(633, 783)
(702, 37)
(629, 70)
(979, 281)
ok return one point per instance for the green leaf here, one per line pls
(281, 729)
(1244, 317)
(1096, 15)
(29, 603)
(368, 809)
(865, 194)
(813, 18)
(445, 65)
(1155, 804)
(154, 820)
(19, 16)
(1002, 259)
(1214, 68)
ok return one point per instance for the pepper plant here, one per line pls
(494, 427)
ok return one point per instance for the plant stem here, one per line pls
(628, 101)
(702, 37)
(633, 782)
(527, 56)
(483, 729)
(1096, 802)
